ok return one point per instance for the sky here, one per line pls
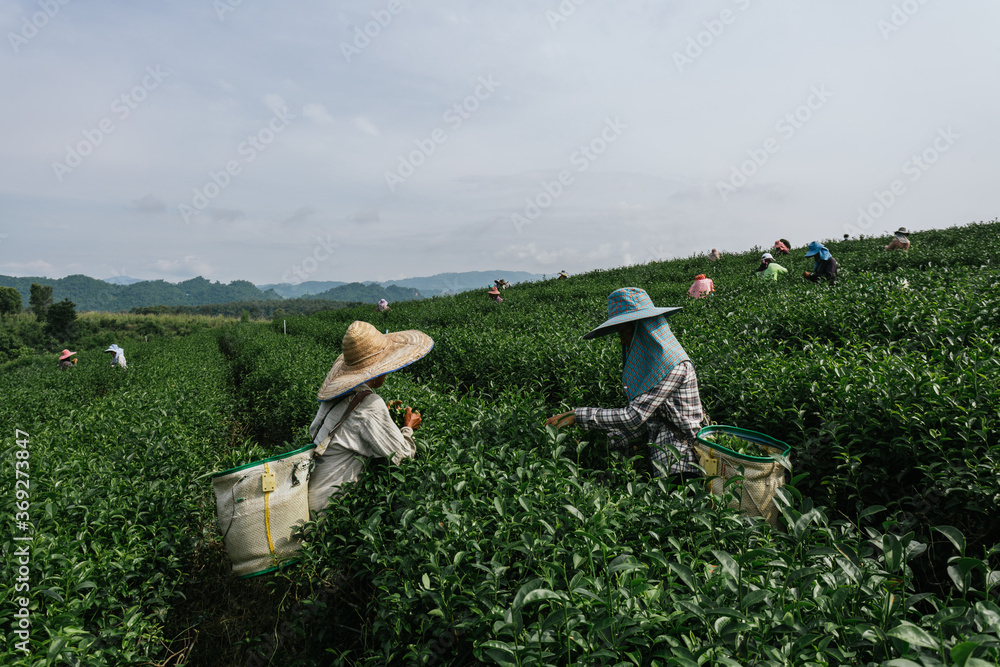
(377, 140)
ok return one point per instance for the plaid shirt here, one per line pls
(669, 413)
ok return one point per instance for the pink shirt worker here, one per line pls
(701, 286)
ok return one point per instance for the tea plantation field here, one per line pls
(506, 543)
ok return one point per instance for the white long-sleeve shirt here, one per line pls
(368, 432)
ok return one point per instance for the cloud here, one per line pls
(187, 267)
(543, 258)
(149, 204)
(225, 214)
(300, 215)
(365, 217)
(365, 125)
(317, 113)
(275, 102)
(34, 268)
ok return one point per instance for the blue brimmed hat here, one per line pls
(628, 304)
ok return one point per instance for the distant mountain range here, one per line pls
(441, 283)
(122, 293)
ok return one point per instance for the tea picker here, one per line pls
(824, 265)
(260, 504)
(117, 356)
(660, 382)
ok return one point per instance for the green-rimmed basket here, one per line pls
(762, 476)
(259, 505)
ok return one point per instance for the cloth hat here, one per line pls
(383, 302)
(700, 276)
(114, 349)
(767, 255)
(66, 354)
(902, 230)
(368, 354)
(817, 248)
(494, 291)
(627, 305)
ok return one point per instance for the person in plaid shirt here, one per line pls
(664, 404)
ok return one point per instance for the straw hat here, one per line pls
(902, 230)
(369, 354)
(66, 354)
(494, 292)
(627, 305)
(114, 349)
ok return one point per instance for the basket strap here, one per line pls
(355, 402)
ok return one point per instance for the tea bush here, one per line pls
(507, 543)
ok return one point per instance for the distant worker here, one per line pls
(714, 255)
(500, 283)
(383, 306)
(659, 380)
(900, 240)
(562, 275)
(701, 286)
(353, 423)
(769, 269)
(494, 294)
(65, 360)
(117, 356)
(781, 246)
(825, 266)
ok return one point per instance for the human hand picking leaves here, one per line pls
(560, 420)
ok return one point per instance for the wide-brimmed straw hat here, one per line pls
(369, 354)
(65, 354)
(902, 230)
(628, 304)
(494, 291)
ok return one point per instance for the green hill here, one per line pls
(92, 294)
(367, 293)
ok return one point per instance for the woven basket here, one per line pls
(762, 475)
(258, 506)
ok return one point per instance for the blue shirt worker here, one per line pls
(825, 266)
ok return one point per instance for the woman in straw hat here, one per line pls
(900, 240)
(664, 404)
(494, 294)
(353, 422)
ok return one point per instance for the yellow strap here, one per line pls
(267, 515)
